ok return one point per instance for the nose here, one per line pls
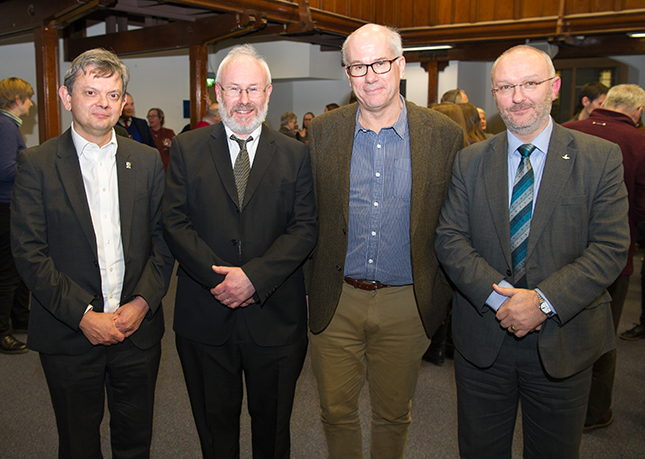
(518, 94)
(244, 96)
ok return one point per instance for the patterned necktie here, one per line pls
(520, 214)
(242, 168)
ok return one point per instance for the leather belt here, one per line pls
(364, 284)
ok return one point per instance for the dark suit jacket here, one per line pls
(577, 247)
(434, 141)
(269, 238)
(144, 131)
(54, 244)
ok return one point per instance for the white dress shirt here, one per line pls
(98, 168)
(251, 147)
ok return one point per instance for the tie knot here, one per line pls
(526, 150)
(241, 142)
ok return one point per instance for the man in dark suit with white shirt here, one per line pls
(239, 215)
(87, 240)
(533, 231)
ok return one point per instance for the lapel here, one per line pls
(495, 173)
(69, 171)
(222, 158)
(341, 158)
(263, 157)
(420, 133)
(126, 171)
(556, 174)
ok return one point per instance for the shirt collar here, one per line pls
(541, 142)
(400, 126)
(80, 143)
(255, 134)
(16, 119)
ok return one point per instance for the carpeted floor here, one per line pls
(27, 426)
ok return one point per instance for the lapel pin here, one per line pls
(128, 165)
(566, 157)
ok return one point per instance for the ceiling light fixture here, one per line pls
(428, 48)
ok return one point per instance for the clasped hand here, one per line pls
(236, 291)
(520, 314)
(111, 328)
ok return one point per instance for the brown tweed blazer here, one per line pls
(434, 141)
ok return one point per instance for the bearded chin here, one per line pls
(229, 120)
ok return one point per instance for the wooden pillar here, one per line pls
(46, 43)
(433, 80)
(198, 89)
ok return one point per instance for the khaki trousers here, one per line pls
(375, 336)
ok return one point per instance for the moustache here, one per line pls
(516, 108)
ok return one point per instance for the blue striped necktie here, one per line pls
(242, 168)
(520, 214)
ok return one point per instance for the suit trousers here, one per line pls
(213, 377)
(376, 336)
(77, 386)
(604, 370)
(553, 410)
(14, 294)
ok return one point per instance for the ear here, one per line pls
(65, 97)
(268, 92)
(401, 63)
(555, 87)
(217, 93)
(585, 101)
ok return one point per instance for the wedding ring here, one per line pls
(513, 328)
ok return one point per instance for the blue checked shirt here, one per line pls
(378, 245)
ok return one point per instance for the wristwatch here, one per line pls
(544, 306)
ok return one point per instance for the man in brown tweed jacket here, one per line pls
(381, 168)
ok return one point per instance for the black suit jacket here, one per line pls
(144, 131)
(54, 243)
(269, 238)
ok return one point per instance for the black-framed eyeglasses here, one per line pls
(378, 67)
(252, 92)
(527, 86)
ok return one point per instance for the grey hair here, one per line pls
(629, 96)
(393, 38)
(243, 50)
(514, 49)
(102, 63)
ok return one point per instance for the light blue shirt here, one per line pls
(538, 158)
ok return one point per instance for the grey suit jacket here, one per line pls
(576, 248)
(434, 141)
(54, 244)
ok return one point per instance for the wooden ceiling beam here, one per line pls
(536, 28)
(283, 12)
(169, 36)
(19, 16)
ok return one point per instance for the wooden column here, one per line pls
(433, 80)
(198, 89)
(46, 43)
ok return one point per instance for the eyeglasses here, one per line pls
(378, 67)
(527, 86)
(253, 92)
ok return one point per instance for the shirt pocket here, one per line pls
(402, 178)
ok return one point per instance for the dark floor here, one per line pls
(27, 428)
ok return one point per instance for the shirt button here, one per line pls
(378, 174)
(370, 261)
(103, 189)
(373, 233)
(378, 145)
(376, 204)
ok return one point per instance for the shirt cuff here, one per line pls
(495, 300)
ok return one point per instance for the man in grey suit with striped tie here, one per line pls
(533, 230)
